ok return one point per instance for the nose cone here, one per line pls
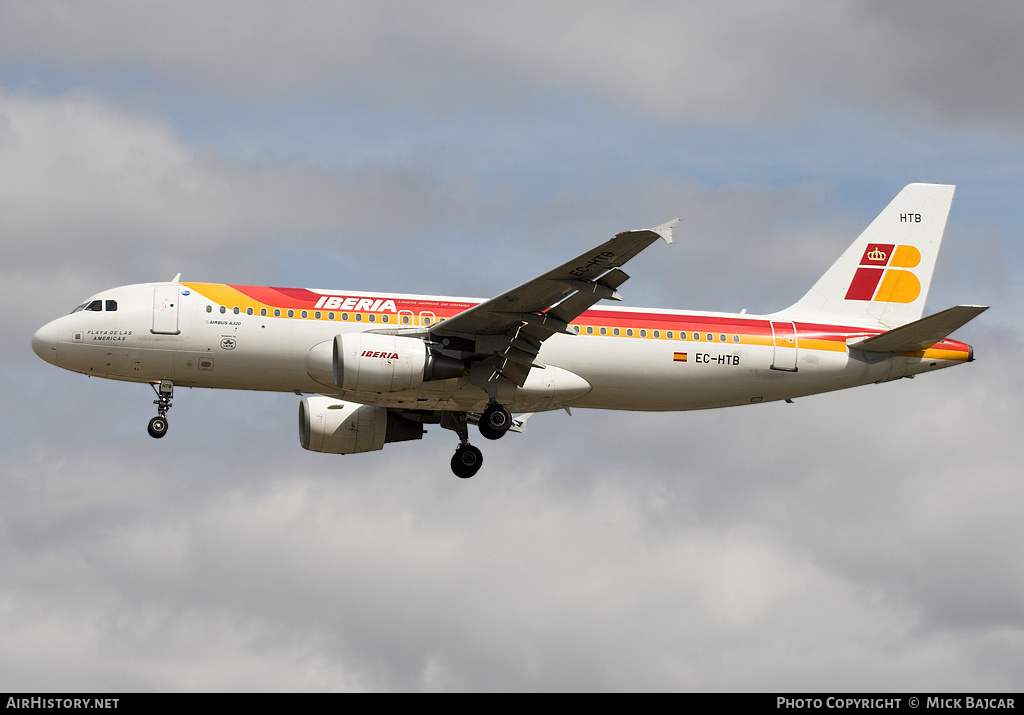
(44, 343)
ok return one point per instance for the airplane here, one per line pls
(375, 368)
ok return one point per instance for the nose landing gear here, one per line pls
(164, 392)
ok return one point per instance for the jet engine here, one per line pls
(340, 427)
(370, 362)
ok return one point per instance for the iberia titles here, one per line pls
(359, 305)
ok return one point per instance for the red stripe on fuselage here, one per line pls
(304, 299)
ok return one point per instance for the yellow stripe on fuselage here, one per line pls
(227, 296)
(940, 354)
(830, 345)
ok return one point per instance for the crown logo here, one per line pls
(876, 255)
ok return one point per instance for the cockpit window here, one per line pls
(111, 305)
(96, 306)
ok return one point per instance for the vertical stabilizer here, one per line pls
(883, 278)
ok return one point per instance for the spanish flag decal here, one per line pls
(679, 357)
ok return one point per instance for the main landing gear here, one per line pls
(164, 392)
(494, 423)
(467, 460)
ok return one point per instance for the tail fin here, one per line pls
(883, 278)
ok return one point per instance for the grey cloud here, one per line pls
(561, 566)
(709, 62)
(89, 186)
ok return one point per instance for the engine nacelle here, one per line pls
(370, 362)
(340, 427)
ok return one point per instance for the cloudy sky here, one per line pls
(857, 541)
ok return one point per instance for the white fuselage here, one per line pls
(645, 360)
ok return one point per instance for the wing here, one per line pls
(511, 327)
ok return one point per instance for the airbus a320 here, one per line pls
(374, 368)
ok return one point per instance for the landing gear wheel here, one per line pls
(157, 427)
(495, 421)
(164, 393)
(467, 461)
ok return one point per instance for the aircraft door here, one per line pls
(165, 310)
(785, 342)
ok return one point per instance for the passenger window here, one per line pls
(263, 312)
(643, 333)
(223, 309)
(385, 318)
(668, 334)
(373, 318)
(629, 332)
(590, 330)
(657, 333)
(235, 310)
(710, 337)
(111, 305)
(359, 317)
(291, 313)
(277, 312)
(209, 309)
(696, 336)
(615, 331)
(604, 331)
(305, 314)
(330, 316)
(248, 311)
(735, 338)
(317, 315)
(721, 338)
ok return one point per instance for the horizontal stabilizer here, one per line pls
(920, 334)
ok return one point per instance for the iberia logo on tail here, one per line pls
(882, 277)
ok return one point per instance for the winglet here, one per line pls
(665, 229)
